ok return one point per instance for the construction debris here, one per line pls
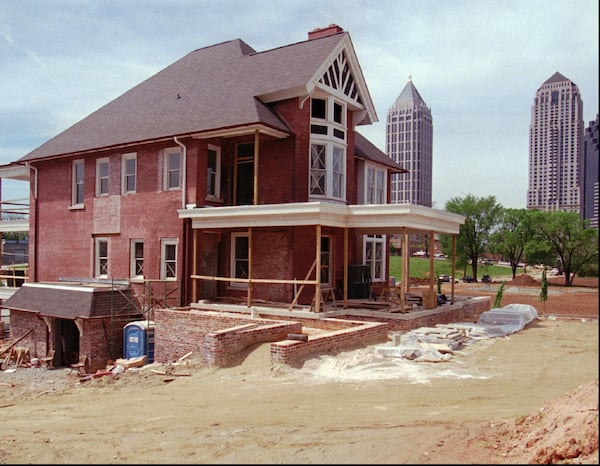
(434, 344)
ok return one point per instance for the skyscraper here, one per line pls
(589, 173)
(409, 141)
(555, 139)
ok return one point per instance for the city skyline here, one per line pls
(479, 74)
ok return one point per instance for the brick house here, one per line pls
(231, 173)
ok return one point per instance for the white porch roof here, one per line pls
(368, 218)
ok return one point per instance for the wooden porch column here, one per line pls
(318, 271)
(194, 267)
(431, 267)
(453, 267)
(345, 285)
(249, 296)
(405, 261)
(404, 288)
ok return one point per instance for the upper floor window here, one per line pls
(213, 172)
(129, 173)
(375, 186)
(328, 148)
(168, 259)
(137, 259)
(102, 176)
(78, 178)
(101, 258)
(172, 172)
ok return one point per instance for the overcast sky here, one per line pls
(476, 63)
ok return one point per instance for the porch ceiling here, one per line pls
(367, 219)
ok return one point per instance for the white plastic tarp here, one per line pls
(501, 321)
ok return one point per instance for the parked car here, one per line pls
(486, 279)
(468, 279)
(444, 278)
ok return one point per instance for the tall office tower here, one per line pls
(409, 142)
(555, 139)
(589, 174)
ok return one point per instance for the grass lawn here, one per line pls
(419, 268)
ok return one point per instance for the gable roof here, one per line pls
(219, 87)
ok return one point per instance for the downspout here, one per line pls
(183, 202)
(184, 172)
(35, 222)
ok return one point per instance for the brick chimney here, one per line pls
(324, 32)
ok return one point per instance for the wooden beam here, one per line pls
(305, 281)
(318, 270)
(345, 285)
(453, 267)
(249, 290)
(431, 267)
(194, 266)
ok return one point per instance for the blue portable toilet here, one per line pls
(138, 340)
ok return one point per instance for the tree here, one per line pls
(499, 293)
(563, 236)
(481, 215)
(544, 289)
(511, 236)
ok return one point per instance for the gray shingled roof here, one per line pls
(367, 150)
(70, 301)
(217, 87)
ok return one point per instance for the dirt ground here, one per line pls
(530, 397)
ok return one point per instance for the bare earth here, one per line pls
(530, 397)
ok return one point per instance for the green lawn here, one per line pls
(419, 268)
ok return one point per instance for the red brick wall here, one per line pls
(216, 338)
(38, 341)
(124, 221)
(102, 339)
(359, 335)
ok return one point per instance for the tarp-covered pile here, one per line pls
(433, 344)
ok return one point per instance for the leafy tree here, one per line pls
(563, 236)
(544, 289)
(481, 215)
(513, 232)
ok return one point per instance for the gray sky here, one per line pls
(476, 63)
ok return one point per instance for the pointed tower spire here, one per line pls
(409, 96)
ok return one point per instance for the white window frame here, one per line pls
(168, 154)
(234, 260)
(134, 259)
(374, 192)
(376, 241)
(78, 183)
(167, 264)
(125, 176)
(213, 174)
(100, 163)
(328, 153)
(101, 261)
